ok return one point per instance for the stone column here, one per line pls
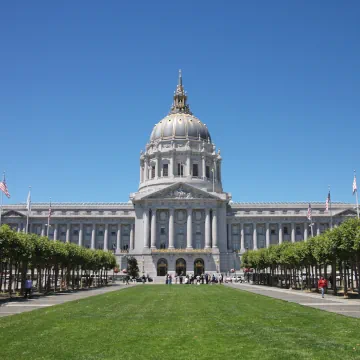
(146, 170)
(67, 232)
(146, 227)
(317, 228)
(171, 228)
(242, 238)
(207, 229)
(214, 228)
(203, 167)
(292, 232)
(219, 171)
(55, 231)
(153, 229)
(280, 234)
(305, 231)
(81, 234)
(172, 174)
(189, 229)
(106, 236)
(157, 166)
(42, 230)
(188, 164)
(230, 236)
(267, 234)
(118, 238)
(254, 237)
(93, 234)
(132, 245)
(141, 172)
(215, 171)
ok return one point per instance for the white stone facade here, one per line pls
(180, 219)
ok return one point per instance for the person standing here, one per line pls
(322, 284)
(28, 286)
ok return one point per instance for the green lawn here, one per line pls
(179, 322)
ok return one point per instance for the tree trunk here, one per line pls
(345, 282)
(10, 277)
(333, 271)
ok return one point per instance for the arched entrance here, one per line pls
(199, 267)
(180, 267)
(162, 267)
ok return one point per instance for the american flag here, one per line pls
(327, 202)
(4, 188)
(49, 216)
(354, 185)
(309, 214)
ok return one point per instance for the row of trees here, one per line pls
(283, 264)
(55, 264)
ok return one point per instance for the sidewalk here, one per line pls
(19, 305)
(338, 305)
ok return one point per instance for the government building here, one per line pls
(180, 220)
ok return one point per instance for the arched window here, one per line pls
(199, 267)
(180, 267)
(162, 267)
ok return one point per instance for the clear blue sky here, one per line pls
(82, 84)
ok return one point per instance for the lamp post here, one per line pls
(143, 261)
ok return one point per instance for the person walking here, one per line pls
(28, 286)
(322, 284)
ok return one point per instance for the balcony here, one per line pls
(183, 251)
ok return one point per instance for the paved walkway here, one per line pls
(347, 307)
(17, 306)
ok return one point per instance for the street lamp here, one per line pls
(143, 261)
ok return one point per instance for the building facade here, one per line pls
(180, 220)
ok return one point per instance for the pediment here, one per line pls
(180, 191)
(347, 212)
(13, 214)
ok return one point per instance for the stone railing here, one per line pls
(187, 251)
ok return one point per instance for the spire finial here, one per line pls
(180, 78)
(180, 98)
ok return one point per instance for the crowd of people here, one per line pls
(194, 279)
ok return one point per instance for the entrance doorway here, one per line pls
(180, 267)
(199, 267)
(162, 267)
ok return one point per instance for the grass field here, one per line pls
(179, 322)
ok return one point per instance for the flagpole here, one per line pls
(48, 224)
(356, 194)
(28, 212)
(1, 205)
(331, 219)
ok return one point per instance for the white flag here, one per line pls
(354, 185)
(28, 202)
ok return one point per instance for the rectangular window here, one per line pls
(298, 230)
(195, 170)
(153, 171)
(180, 169)
(166, 170)
(272, 231)
(113, 233)
(286, 230)
(100, 233)
(76, 232)
(162, 231)
(207, 172)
